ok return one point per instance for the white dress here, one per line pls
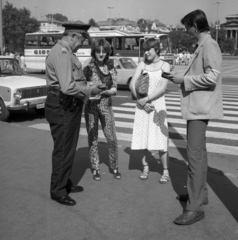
(150, 131)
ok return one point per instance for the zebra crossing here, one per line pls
(222, 134)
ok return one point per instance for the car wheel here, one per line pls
(40, 111)
(4, 112)
(128, 82)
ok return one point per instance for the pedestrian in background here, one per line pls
(99, 70)
(201, 100)
(68, 92)
(150, 130)
(23, 63)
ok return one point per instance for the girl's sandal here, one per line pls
(145, 174)
(164, 179)
(117, 174)
(96, 175)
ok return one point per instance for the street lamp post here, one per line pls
(110, 8)
(217, 23)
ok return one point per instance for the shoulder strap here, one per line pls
(162, 65)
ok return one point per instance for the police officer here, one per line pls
(63, 108)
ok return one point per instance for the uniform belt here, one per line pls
(54, 89)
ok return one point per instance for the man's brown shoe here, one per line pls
(189, 217)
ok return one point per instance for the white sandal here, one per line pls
(145, 174)
(165, 178)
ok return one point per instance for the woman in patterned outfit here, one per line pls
(150, 130)
(99, 70)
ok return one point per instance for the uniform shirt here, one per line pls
(64, 71)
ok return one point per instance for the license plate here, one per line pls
(42, 105)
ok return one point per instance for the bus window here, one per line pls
(131, 43)
(164, 48)
(57, 37)
(118, 43)
(31, 40)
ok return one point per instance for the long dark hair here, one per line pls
(97, 44)
(197, 17)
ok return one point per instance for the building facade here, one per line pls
(231, 27)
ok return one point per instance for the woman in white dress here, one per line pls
(150, 130)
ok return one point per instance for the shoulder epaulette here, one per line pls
(64, 50)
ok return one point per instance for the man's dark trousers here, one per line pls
(197, 164)
(64, 126)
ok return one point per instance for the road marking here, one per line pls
(171, 108)
(124, 114)
(211, 147)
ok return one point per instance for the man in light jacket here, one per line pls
(201, 100)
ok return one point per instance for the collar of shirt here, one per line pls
(63, 43)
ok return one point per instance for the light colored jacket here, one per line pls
(201, 91)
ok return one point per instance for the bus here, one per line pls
(124, 44)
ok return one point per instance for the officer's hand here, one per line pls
(95, 89)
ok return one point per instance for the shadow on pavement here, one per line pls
(82, 161)
(24, 115)
(225, 190)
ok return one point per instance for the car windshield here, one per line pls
(10, 67)
(127, 63)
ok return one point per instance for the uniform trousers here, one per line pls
(64, 126)
(197, 164)
(101, 110)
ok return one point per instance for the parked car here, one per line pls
(19, 91)
(125, 68)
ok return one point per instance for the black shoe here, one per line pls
(75, 189)
(189, 217)
(116, 174)
(184, 198)
(96, 175)
(65, 200)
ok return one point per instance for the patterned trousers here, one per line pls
(101, 110)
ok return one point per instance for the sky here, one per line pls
(166, 11)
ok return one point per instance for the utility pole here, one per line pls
(1, 36)
(110, 8)
(217, 23)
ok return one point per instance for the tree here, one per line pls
(226, 45)
(142, 24)
(16, 23)
(92, 22)
(182, 42)
(59, 17)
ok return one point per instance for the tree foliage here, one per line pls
(182, 41)
(92, 22)
(16, 23)
(57, 16)
(142, 24)
(226, 45)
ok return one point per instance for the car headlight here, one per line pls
(18, 94)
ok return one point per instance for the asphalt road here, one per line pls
(129, 209)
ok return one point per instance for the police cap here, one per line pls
(78, 28)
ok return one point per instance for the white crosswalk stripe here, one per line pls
(222, 134)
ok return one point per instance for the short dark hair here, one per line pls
(197, 17)
(152, 43)
(96, 44)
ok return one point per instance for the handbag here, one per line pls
(142, 84)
